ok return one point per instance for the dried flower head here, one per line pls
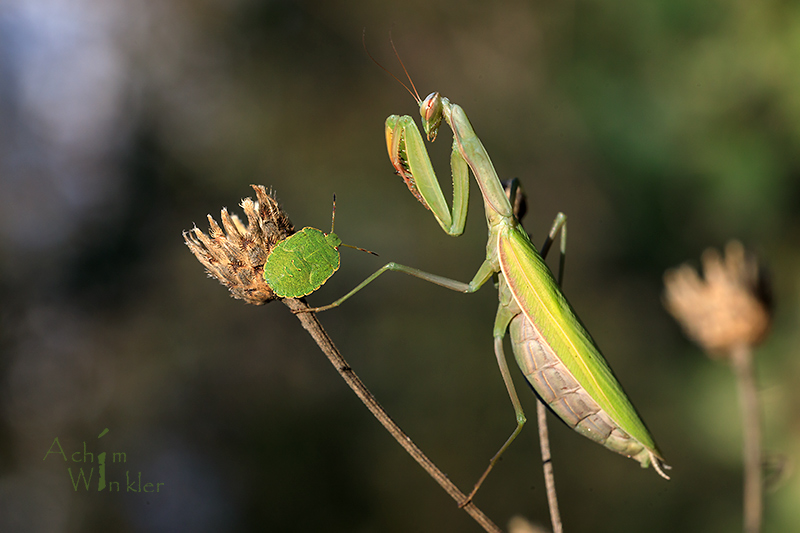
(236, 256)
(729, 308)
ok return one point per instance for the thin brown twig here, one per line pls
(742, 361)
(547, 466)
(315, 329)
(541, 410)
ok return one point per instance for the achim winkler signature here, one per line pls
(133, 481)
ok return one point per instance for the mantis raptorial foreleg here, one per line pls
(410, 160)
(402, 138)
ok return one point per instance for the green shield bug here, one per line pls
(303, 262)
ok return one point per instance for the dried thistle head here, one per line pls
(236, 255)
(729, 308)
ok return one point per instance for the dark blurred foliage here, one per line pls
(660, 128)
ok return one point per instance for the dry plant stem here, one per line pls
(314, 328)
(544, 436)
(742, 360)
(547, 465)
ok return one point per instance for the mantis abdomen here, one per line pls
(555, 385)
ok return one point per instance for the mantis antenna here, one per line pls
(414, 94)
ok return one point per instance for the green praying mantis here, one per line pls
(555, 352)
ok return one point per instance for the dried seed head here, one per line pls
(730, 307)
(236, 254)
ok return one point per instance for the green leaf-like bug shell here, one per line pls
(302, 263)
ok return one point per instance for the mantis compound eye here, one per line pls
(431, 112)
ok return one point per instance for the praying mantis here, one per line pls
(555, 352)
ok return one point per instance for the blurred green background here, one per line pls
(659, 128)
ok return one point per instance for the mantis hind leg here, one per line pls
(516, 196)
(560, 223)
(504, 317)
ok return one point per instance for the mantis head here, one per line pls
(431, 111)
(430, 108)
